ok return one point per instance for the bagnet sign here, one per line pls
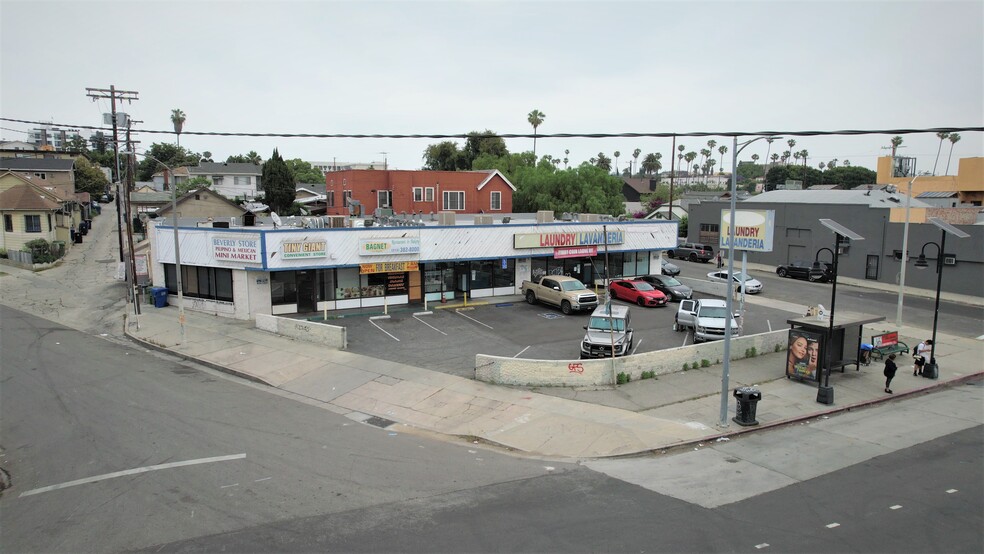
(382, 247)
(753, 229)
(558, 240)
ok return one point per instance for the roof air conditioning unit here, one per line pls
(590, 217)
(446, 218)
(483, 220)
(544, 216)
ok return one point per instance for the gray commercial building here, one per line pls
(800, 236)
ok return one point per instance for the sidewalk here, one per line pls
(671, 411)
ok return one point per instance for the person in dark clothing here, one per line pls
(890, 369)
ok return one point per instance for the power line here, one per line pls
(842, 132)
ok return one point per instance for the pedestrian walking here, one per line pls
(890, 369)
(919, 356)
(720, 262)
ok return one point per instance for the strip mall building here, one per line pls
(243, 271)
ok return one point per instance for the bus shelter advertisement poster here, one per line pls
(803, 354)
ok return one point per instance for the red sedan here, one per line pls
(640, 292)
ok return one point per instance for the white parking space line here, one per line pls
(761, 546)
(686, 335)
(895, 507)
(383, 330)
(770, 325)
(832, 525)
(429, 325)
(133, 471)
(951, 491)
(472, 318)
(637, 346)
(521, 351)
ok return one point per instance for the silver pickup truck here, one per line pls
(567, 293)
(706, 317)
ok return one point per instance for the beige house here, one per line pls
(31, 212)
(202, 203)
(57, 175)
(968, 183)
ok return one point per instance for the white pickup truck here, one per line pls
(567, 293)
(706, 317)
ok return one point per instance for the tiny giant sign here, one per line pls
(753, 229)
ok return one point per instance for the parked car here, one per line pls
(669, 269)
(813, 271)
(751, 286)
(567, 293)
(707, 318)
(673, 289)
(640, 292)
(605, 329)
(693, 251)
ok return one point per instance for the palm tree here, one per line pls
(254, 158)
(832, 164)
(635, 156)
(680, 149)
(896, 142)
(822, 165)
(724, 150)
(775, 159)
(785, 156)
(769, 149)
(940, 136)
(954, 138)
(617, 154)
(604, 162)
(567, 152)
(791, 144)
(796, 156)
(847, 163)
(755, 157)
(535, 118)
(804, 153)
(651, 164)
(690, 157)
(178, 119)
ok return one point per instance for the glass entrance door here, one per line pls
(307, 291)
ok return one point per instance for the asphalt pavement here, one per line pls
(642, 416)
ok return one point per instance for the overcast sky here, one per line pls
(453, 67)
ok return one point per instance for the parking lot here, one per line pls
(448, 339)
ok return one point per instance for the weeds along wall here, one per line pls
(578, 373)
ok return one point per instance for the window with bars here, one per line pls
(32, 223)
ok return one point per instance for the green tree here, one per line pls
(77, 144)
(651, 164)
(604, 162)
(748, 171)
(444, 156)
(195, 183)
(250, 157)
(689, 157)
(170, 154)
(584, 189)
(88, 178)
(509, 165)
(206, 157)
(940, 136)
(617, 154)
(278, 184)
(304, 172)
(954, 138)
(178, 119)
(635, 159)
(535, 118)
(486, 142)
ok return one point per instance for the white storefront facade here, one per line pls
(240, 272)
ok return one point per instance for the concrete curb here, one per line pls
(768, 426)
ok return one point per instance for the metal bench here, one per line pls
(880, 352)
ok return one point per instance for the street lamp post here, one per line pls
(825, 394)
(921, 263)
(726, 370)
(177, 245)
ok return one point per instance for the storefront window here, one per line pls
(347, 283)
(373, 285)
(283, 288)
(327, 280)
(481, 274)
(200, 282)
(438, 278)
(539, 267)
(504, 273)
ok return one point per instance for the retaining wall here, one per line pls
(578, 373)
(332, 336)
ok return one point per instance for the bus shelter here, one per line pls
(815, 349)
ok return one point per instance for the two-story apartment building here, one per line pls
(232, 180)
(51, 173)
(419, 191)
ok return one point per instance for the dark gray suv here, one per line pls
(693, 251)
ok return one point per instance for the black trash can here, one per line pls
(78, 238)
(160, 296)
(84, 227)
(748, 398)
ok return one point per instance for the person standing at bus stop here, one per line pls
(925, 348)
(890, 369)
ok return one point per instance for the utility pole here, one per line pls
(113, 95)
(132, 266)
(129, 96)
